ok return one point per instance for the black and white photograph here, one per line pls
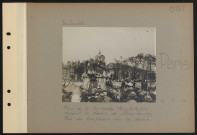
(109, 64)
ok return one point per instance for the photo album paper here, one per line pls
(98, 68)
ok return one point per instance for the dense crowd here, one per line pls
(127, 92)
(96, 83)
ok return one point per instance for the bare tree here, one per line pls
(135, 61)
(140, 56)
(150, 60)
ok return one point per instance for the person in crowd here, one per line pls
(76, 95)
(107, 99)
(66, 97)
(148, 97)
(92, 99)
(107, 83)
(145, 85)
(153, 95)
(99, 99)
(110, 94)
(99, 87)
(86, 81)
(123, 84)
(103, 81)
(93, 91)
(142, 84)
(84, 97)
(89, 93)
(118, 96)
(129, 84)
(124, 96)
(134, 82)
(86, 66)
(132, 95)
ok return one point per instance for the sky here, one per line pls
(82, 43)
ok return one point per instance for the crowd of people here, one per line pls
(95, 84)
(124, 91)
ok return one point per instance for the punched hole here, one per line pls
(8, 47)
(8, 33)
(9, 104)
(8, 91)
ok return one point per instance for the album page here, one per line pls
(106, 68)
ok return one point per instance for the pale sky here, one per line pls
(81, 43)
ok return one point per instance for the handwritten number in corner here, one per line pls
(178, 8)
